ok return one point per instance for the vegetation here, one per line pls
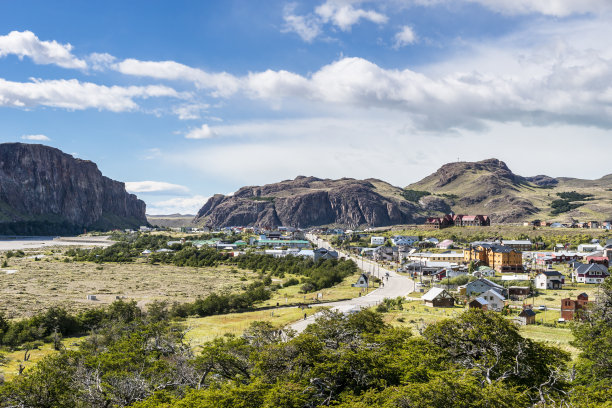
(414, 195)
(566, 202)
(478, 359)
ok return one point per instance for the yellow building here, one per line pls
(499, 257)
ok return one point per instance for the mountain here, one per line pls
(310, 201)
(490, 187)
(44, 191)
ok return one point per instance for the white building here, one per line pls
(549, 280)
(495, 299)
(377, 240)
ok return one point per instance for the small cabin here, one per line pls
(362, 282)
(527, 316)
(438, 297)
(479, 303)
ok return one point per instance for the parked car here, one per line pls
(542, 307)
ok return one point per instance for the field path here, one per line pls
(395, 285)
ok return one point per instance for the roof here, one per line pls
(481, 301)
(486, 282)
(496, 294)
(516, 242)
(282, 241)
(551, 273)
(433, 293)
(593, 267)
(527, 312)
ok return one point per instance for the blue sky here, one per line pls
(185, 99)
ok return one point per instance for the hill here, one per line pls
(310, 201)
(490, 187)
(44, 191)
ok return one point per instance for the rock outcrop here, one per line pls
(309, 201)
(46, 191)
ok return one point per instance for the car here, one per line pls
(542, 307)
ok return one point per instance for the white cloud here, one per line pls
(157, 187)
(76, 95)
(222, 84)
(40, 138)
(190, 111)
(179, 205)
(152, 153)
(405, 36)
(26, 44)
(308, 27)
(203, 132)
(343, 15)
(101, 61)
(557, 8)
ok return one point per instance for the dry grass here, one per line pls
(38, 285)
(203, 329)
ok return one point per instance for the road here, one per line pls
(396, 285)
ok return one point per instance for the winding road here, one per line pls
(395, 285)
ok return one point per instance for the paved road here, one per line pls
(396, 285)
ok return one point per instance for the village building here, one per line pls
(481, 286)
(479, 303)
(518, 292)
(362, 282)
(499, 257)
(457, 220)
(495, 299)
(377, 240)
(571, 309)
(549, 280)
(520, 245)
(527, 316)
(590, 273)
(400, 240)
(438, 297)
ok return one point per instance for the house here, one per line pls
(589, 247)
(571, 309)
(549, 280)
(384, 253)
(481, 286)
(499, 257)
(518, 292)
(377, 240)
(446, 244)
(479, 303)
(362, 282)
(598, 259)
(518, 244)
(404, 240)
(527, 316)
(322, 253)
(590, 273)
(438, 297)
(495, 299)
(484, 272)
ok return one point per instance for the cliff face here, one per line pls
(41, 184)
(309, 201)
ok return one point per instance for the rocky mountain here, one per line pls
(46, 191)
(310, 201)
(490, 187)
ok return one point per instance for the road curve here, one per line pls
(395, 285)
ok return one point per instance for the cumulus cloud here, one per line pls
(203, 132)
(40, 138)
(405, 36)
(76, 95)
(157, 187)
(100, 61)
(178, 205)
(190, 111)
(26, 44)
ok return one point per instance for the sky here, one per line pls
(185, 99)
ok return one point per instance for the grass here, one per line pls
(203, 329)
(15, 358)
(555, 336)
(291, 295)
(38, 285)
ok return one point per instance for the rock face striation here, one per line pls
(310, 201)
(45, 191)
